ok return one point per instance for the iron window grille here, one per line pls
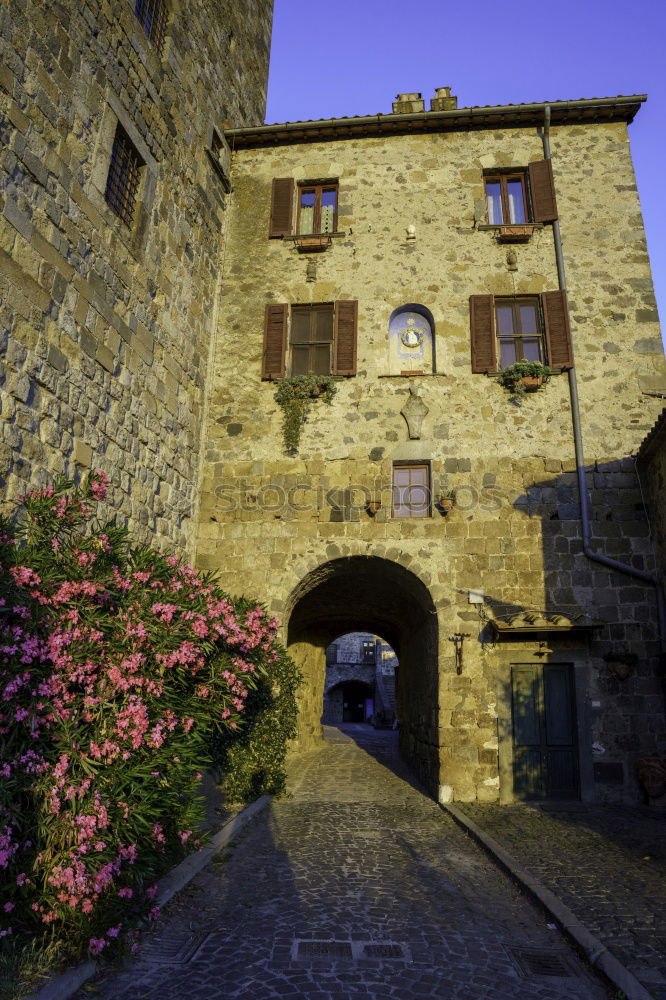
(122, 182)
(152, 17)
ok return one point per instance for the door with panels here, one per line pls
(545, 746)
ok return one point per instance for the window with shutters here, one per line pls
(318, 338)
(509, 329)
(411, 490)
(317, 209)
(516, 197)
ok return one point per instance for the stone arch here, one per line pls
(416, 321)
(370, 593)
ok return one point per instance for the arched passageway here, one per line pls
(370, 594)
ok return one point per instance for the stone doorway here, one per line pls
(378, 596)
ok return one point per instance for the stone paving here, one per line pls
(606, 863)
(358, 856)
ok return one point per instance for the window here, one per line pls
(318, 338)
(411, 490)
(317, 208)
(368, 651)
(506, 198)
(311, 339)
(152, 16)
(519, 330)
(122, 182)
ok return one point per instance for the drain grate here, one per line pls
(323, 949)
(532, 962)
(350, 951)
(173, 951)
(383, 950)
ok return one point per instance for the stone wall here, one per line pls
(652, 466)
(106, 328)
(514, 533)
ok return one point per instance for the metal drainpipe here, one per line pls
(578, 445)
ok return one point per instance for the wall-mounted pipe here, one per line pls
(589, 551)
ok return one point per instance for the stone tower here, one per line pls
(113, 181)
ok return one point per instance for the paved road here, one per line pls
(361, 858)
(606, 863)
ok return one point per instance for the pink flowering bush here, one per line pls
(118, 666)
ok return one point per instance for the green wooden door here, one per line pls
(545, 756)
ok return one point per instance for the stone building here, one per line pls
(409, 256)
(109, 277)
(360, 680)
(652, 470)
(166, 261)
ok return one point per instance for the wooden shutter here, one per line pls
(275, 336)
(558, 333)
(282, 206)
(482, 329)
(344, 337)
(542, 189)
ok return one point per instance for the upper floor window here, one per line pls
(317, 208)
(318, 338)
(368, 651)
(506, 198)
(311, 339)
(519, 330)
(411, 490)
(122, 182)
(152, 16)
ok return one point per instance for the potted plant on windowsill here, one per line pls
(294, 395)
(524, 376)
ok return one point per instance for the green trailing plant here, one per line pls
(512, 376)
(295, 396)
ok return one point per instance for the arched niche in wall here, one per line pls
(411, 340)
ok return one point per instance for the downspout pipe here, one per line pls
(588, 550)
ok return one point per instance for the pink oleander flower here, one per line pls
(96, 945)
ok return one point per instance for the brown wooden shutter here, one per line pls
(275, 337)
(542, 189)
(344, 338)
(282, 206)
(558, 332)
(482, 328)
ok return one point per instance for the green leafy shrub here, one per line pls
(511, 376)
(118, 667)
(295, 396)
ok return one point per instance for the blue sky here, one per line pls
(352, 57)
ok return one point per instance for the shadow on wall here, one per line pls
(370, 594)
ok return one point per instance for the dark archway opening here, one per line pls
(373, 595)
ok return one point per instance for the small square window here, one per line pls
(122, 182)
(411, 490)
(519, 330)
(317, 209)
(507, 198)
(152, 16)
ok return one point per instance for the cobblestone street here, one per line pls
(356, 886)
(606, 863)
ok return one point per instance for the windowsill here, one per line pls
(226, 183)
(414, 375)
(514, 233)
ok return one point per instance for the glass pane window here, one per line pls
(519, 330)
(311, 339)
(318, 209)
(506, 199)
(411, 491)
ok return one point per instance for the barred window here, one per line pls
(152, 15)
(122, 182)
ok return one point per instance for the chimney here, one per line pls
(443, 100)
(405, 104)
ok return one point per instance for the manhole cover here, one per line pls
(173, 951)
(532, 962)
(323, 949)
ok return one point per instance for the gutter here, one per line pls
(620, 108)
(588, 550)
